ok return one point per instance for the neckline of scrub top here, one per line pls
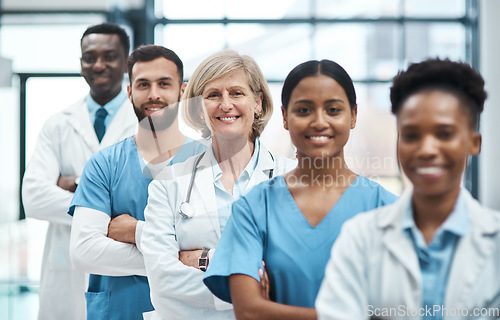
(150, 171)
(302, 224)
(137, 159)
(294, 205)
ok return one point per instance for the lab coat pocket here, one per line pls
(97, 305)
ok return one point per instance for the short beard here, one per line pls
(157, 122)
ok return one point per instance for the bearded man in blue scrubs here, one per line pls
(108, 206)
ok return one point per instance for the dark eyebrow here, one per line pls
(303, 101)
(409, 126)
(414, 126)
(165, 79)
(148, 80)
(328, 101)
(335, 101)
(95, 50)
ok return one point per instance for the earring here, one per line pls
(352, 125)
(257, 115)
(285, 124)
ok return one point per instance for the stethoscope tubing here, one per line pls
(185, 209)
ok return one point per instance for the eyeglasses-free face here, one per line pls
(102, 65)
(435, 140)
(230, 105)
(155, 90)
(319, 117)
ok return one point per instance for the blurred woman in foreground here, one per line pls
(435, 253)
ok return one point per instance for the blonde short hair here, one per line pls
(218, 65)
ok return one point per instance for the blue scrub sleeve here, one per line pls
(93, 191)
(240, 249)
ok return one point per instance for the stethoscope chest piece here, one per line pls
(185, 210)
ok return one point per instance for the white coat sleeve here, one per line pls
(42, 198)
(171, 281)
(92, 251)
(343, 292)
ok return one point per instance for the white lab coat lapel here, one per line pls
(399, 246)
(472, 253)
(206, 191)
(123, 122)
(265, 164)
(79, 119)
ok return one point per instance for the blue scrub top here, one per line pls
(113, 182)
(266, 224)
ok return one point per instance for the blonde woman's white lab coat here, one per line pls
(66, 142)
(178, 291)
(374, 265)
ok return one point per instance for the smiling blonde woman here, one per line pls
(228, 100)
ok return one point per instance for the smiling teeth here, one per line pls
(429, 170)
(319, 138)
(227, 118)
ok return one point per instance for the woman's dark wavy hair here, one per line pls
(457, 78)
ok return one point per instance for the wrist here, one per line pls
(132, 233)
(76, 181)
(138, 234)
(203, 260)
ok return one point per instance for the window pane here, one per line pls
(433, 8)
(442, 40)
(364, 50)
(355, 9)
(52, 19)
(193, 43)
(371, 150)
(45, 97)
(193, 9)
(42, 48)
(276, 48)
(276, 9)
(275, 137)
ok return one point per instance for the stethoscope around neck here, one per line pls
(185, 209)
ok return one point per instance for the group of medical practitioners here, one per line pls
(146, 223)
